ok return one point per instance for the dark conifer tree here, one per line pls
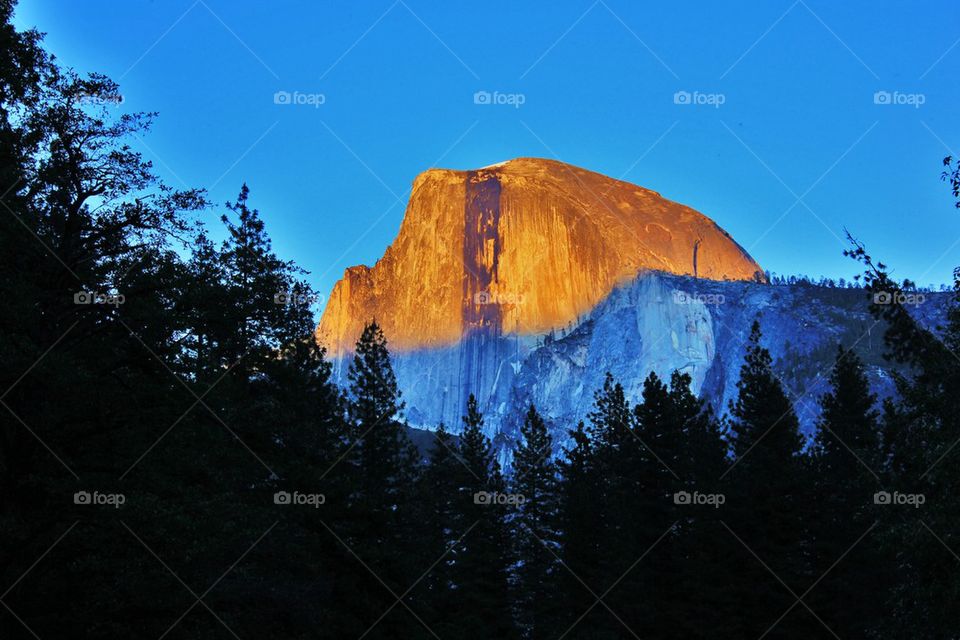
(268, 302)
(611, 422)
(580, 492)
(616, 457)
(846, 462)
(374, 406)
(630, 509)
(648, 502)
(703, 459)
(483, 601)
(534, 526)
(382, 516)
(706, 558)
(440, 527)
(769, 498)
(202, 305)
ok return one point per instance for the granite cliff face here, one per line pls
(526, 282)
(519, 248)
(655, 322)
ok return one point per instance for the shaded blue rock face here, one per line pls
(656, 322)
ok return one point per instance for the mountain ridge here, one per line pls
(525, 246)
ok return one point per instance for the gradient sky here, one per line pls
(798, 150)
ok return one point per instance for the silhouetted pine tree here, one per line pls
(374, 406)
(647, 590)
(267, 301)
(626, 483)
(534, 526)
(769, 500)
(616, 457)
(202, 305)
(610, 422)
(846, 462)
(580, 492)
(439, 527)
(382, 517)
(255, 328)
(703, 459)
(703, 554)
(483, 602)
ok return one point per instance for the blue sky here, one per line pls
(797, 149)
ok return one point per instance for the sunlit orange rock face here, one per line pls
(524, 247)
